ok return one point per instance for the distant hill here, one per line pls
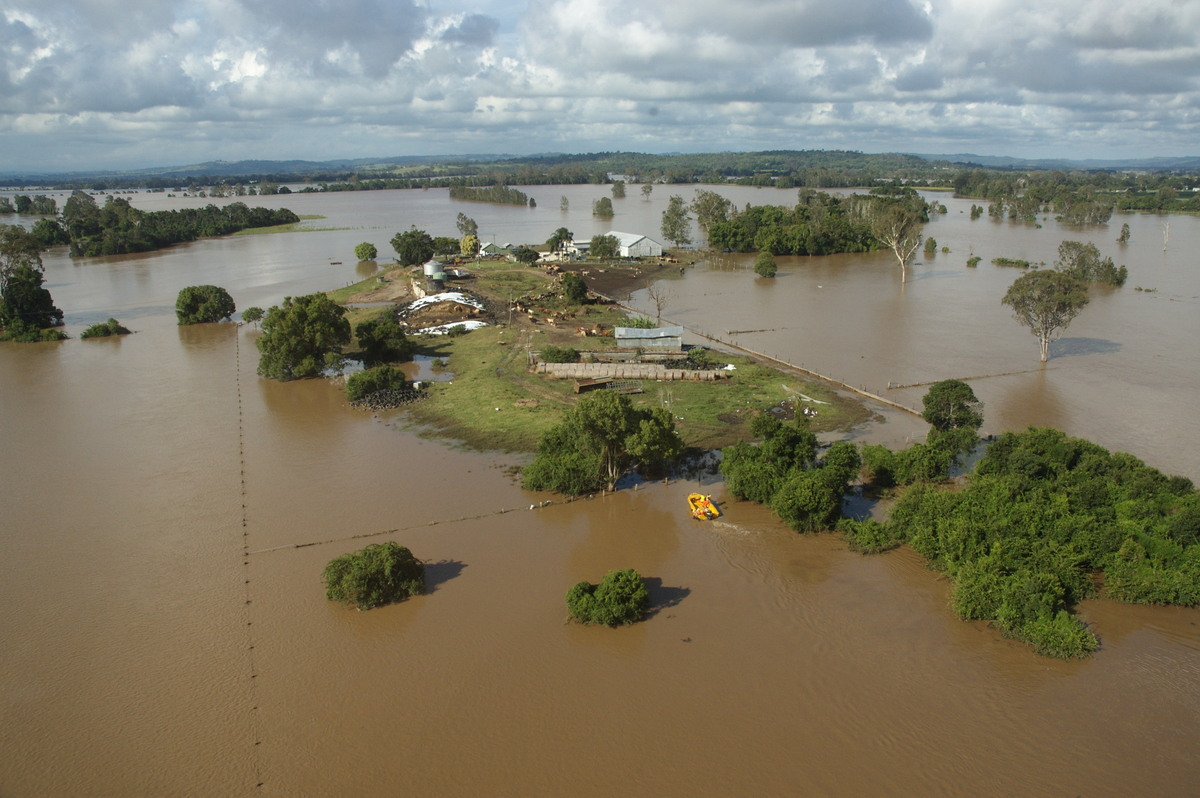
(1186, 163)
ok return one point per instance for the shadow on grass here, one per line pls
(663, 597)
(440, 572)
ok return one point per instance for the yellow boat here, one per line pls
(703, 507)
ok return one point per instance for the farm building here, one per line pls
(634, 245)
(629, 245)
(662, 338)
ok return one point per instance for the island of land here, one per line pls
(486, 393)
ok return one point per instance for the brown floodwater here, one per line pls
(167, 515)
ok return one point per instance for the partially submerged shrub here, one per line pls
(620, 598)
(379, 574)
(110, 327)
(369, 381)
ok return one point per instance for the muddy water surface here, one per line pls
(167, 515)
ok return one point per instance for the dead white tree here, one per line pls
(660, 296)
(899, 229)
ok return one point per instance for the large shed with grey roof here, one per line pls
(661, 338)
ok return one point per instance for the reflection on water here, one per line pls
(168, 515)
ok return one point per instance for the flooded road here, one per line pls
(168, 514)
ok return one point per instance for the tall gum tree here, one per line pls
(1046, 301)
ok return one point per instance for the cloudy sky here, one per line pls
(134, 83)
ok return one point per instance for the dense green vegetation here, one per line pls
(366, 251)
(1078, 197)
(500, 194)
(1042, 522)
(379, 574)
(383, 340)
(302, 337)
(105, 329)
(202, 304)
(1083, 262)
(597, 442)
(117, 227)
(363, 383)
(764, 264)
(784, 472)
(819, 224)
(413, 247)
(620, 598)
(27, 310)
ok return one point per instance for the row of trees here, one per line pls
(118, 228)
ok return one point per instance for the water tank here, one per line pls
(434, 267)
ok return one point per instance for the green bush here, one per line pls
(382, 340)
(373, 380)
(764, 264)
(202, 304)
(378, 574)
(559, 354)
(110, 327)
(867, 536)
(366, 251)
(620, 598)
(18, 331)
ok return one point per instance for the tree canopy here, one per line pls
(23, 300)
(598, 441)
(559, 238)
(604, 246)
(951, 404)
(366, 251)
(413, 247)
(379, 574)
(676, 222)
(301, 337)
(785, 473)
(466, 226)
(620, 598)
(1045, 301)
(602, 207)
(201, 304)
(764, 264)
(382, 340)
(898, 227)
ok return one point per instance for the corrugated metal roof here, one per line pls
(642, 332)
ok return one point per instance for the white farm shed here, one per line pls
(634, 245)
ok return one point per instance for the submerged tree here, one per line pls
(598, 441)
(764, 264)
(379, 574)
(23, 300)
(951, 404)
(676, 222)
(1046, 301)
(201, 304)
(620, 598)
(898, 228)
(301, 337)
(366, 251)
